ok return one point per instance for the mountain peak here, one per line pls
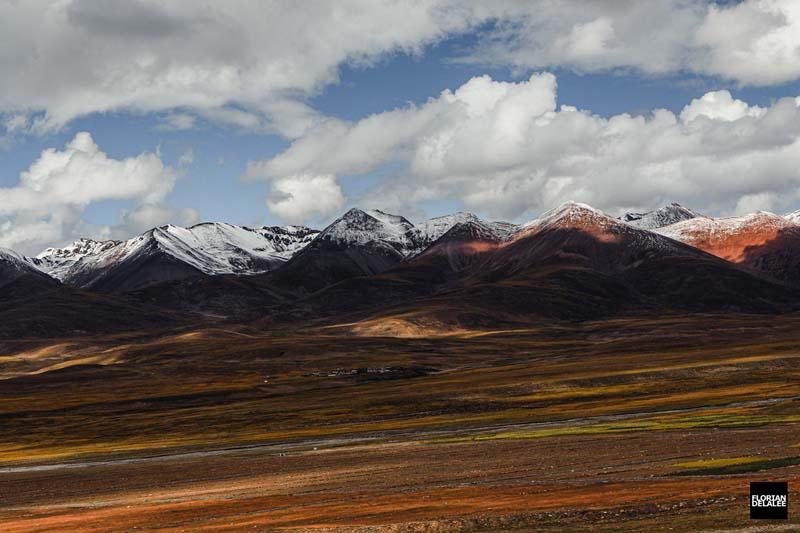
(361, 227)
(570, 213)
(663, 216)
(14, 266)
(794, 216)
(209, 248)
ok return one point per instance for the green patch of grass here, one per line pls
(691, 422)
(711, 463)
(741, 468)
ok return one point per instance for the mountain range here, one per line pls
(368, 266)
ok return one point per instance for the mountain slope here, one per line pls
(13, 266)
(763, 242)
(32, 309)
(436, 227)
(359, 243)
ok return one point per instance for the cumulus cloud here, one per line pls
(252, 65)
(508, 150)
(755, 42)
(46, 205)
(300, 198)
(719, 105)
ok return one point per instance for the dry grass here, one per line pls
(687, 391)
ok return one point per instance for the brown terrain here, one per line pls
(655, 423)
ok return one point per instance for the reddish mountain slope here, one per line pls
(763, 242)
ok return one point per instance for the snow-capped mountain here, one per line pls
(173, 252)
(13, 266)
(398, 235)
(794, 216)
(57, 261)
(728, 237)
(568, 214)
(592, 222)
(762, 242)
(366, 242)
(375, 228)
(219, 248)
(434, 228)
(664, 216)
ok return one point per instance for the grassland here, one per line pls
(640, 423)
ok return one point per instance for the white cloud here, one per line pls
(593, 36)
(719, 105)
(507, 150)
(253, 64)
(752, 42)
(755, 42)
(82, 173)
(234, 63)
(297, 199)
(147, 216)
(45, 207)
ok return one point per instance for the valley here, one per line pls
(603, 425)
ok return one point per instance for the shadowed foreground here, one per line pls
(627, 424)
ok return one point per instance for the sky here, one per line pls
(120, 115)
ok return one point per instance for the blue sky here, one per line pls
(409, 72)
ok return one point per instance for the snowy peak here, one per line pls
(211, 248)
(436, 227)
(76, 250)
(57, 261)
(220, 248)
(393, 232)
(14, 265)
(472, 230)
(793, 217)
(709, 227)
(11, 259)
(731, 238)
(570, 215)
(375, 227)
(664, 216)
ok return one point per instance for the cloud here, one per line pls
(300, 198)
(177, 122)
(147, 216)
(186, 158)
(752, 42)
(508, 150)
(252, 65)
(238, 64)
(596, 36)
(719, 105)
(755, 42)
(46, 205)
